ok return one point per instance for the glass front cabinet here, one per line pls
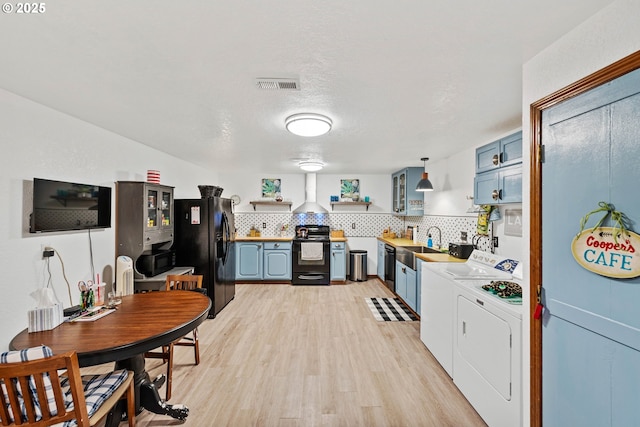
(159, 207)
(406, 201)
(144, 218)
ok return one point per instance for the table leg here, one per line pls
(147, 396)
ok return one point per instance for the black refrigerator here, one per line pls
(203, 239)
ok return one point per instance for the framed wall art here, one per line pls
(271, 187)
(349, 190)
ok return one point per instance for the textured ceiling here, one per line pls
(401, 80)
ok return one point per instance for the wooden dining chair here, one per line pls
(178, 282)
(56, 392)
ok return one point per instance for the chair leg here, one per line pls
(169, 371)
(196, 346)
(131, 404)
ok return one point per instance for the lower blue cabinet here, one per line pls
(277, 261)
(418, 285)
(406, 286)
(263, 260)
(338, 262)
(381, 255)
(248, 260)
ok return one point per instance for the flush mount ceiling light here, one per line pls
(311, 166)
(308, 124)
(424, 184)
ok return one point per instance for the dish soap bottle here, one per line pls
(429, 242)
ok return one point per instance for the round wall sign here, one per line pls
(598, 251)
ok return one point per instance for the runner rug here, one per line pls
(390, 310)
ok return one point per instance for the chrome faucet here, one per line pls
(439, 235)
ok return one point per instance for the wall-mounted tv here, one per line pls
(63, 206)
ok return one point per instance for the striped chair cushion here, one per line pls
(24, 356)
(97, 389)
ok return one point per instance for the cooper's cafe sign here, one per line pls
(608, 251)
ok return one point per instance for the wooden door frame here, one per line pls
(611, 72)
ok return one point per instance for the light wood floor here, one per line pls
(281, 355)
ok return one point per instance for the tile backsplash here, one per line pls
(365, 225)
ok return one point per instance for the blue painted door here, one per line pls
(591, 329)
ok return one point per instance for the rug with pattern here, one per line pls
(390, 310)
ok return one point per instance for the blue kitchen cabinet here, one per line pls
(501, 153)
(418, 285)
(498, 187)
(498, 177)
(412, 289)
(401, 280)
(406, 201)
(381, 255)
(406, 285)
(338, 262)
(277, 261)
(248, 260)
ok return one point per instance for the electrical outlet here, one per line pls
(47, 252)
(495, 241)
(353, 225)
(417, 228)
(463, 236)
(264, 225)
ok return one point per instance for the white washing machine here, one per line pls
(487, 352)
(437, 298)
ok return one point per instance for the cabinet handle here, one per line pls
(404, 269)
(495, 195)
(496, 159)
(464, 328)
(277, 245)
(479, 301)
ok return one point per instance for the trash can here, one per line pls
(357, 266)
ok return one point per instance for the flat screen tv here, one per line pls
(63, 206)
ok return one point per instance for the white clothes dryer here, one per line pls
(487, 351)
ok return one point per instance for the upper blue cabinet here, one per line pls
(406, 201)
(503, 152)
(498, 177)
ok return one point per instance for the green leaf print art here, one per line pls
(349, 189)
(271, 187)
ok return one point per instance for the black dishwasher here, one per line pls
(390, 267)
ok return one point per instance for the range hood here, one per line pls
(310, 205)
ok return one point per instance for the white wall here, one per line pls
(608, 36)
(40, 142)
(247, 184)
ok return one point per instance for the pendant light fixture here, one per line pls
(308, 124)
(424, 184)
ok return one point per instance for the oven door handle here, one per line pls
(310, 276)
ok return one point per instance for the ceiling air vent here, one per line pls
(278, 84)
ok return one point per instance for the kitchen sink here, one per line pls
(421, 249)
(406, 254)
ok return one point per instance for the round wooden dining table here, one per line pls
(142, 322)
